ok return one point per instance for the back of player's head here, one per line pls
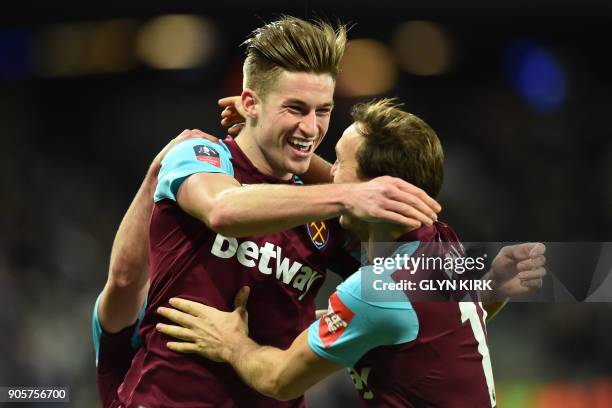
(293, 45)
(398, 144)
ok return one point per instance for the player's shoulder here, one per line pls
(353, 292)
(195, 155)
(198, 149)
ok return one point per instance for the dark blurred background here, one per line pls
(519, 93)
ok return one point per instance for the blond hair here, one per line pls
(398, 144)
(293, 45)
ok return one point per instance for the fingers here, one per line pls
(416, 198)
(409, 212)
(188, 306)
(228, 101)
(177, 316)
(529, 264)
(532, 274)
(235, 129)
(177, 332)
(532, 284)
(242, 297)
(180, 347)
(525, 251)
(230, 116)
(398, 219)
(189, 133)
(428, 203)
(537, 250)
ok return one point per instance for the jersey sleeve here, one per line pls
(352, 326)
(98, 331)
(187, 158)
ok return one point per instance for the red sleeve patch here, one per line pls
(207, 154)
(335, 321)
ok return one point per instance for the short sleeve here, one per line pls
(351, 326)
(190, 157)
(98, 331)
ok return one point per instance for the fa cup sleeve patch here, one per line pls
(335, 321)
(207, 154)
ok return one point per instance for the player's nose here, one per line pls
(308, 124)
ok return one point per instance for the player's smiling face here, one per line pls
(293, 120)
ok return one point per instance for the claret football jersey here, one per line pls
(408, 354)
(284, 271)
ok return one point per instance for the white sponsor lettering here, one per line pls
(285, 270)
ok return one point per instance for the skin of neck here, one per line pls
(246, 141)
(383, 232)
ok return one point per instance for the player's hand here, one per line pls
(391, 199)
(184, 135)
(518, 270)
(205, 330)
(233, 114)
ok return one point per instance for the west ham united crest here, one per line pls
(319, 233)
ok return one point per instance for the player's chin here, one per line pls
(298, 166)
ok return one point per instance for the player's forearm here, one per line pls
(491, 301)
(130, 251)
(319, 171)
(261, 368)
(262, 209)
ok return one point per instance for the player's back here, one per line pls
(409, 353)
(188, 260)
(448, 363)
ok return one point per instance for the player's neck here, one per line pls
(246, 141)
(383, 232)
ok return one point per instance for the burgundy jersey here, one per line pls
(188, 260)
(114, 353)
(409, 353)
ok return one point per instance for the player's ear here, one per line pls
(250, 102)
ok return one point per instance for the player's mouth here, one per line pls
(302, 147)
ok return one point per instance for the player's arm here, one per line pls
(227, 208)
(222, 336)
(128, 279)
(349, 329)
(517, 270)
(280, 374)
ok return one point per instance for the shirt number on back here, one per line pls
(469, 312)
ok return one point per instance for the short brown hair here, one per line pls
(294, 45)
(398, 144)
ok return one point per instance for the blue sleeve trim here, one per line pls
(96, 328)
(98, 331)
(187, 158)
(370, 326)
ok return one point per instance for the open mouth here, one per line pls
(301, 145)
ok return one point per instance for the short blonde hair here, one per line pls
(398, 144)
(294, 45)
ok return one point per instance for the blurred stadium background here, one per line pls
(519, 93)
